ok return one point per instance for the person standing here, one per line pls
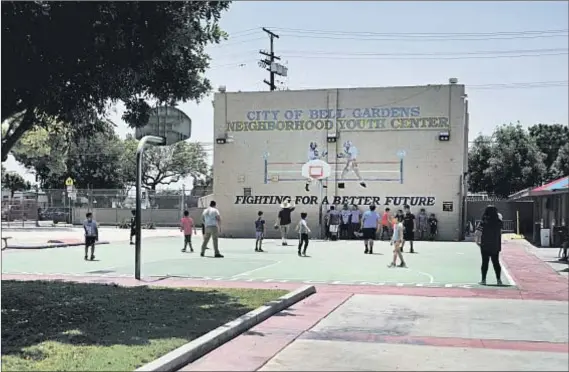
(334, 218)
(355, 221)
(397, 241)
(489, 238)
(370, 226)
(386, 224)
(422, 224)
(284, 220)
(187, 227)
(303, 230)
(408, 228)
(433, 227)
(91, 235)
(259, 232)
(345, 222)
(132, 225)
(212, 222)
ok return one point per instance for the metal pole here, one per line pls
(320, 214)
(154, 140)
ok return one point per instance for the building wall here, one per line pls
(381, 122)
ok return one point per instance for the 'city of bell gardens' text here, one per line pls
(374, 118)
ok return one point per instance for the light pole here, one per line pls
(151, 140)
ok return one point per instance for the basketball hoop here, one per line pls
(169, 123)
(316, 169)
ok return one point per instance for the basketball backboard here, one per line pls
(167, 122)
(316, 169)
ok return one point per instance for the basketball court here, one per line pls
(437, 264)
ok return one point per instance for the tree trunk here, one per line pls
(10, 140)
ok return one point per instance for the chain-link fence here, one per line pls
(109, 207)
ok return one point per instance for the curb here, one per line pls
(49, 245)
(197, 348)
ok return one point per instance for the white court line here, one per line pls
(431, 278)
(257, 269)
(338, 171)
(507, 273)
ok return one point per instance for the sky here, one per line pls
(338, 44)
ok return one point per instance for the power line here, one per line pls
(422, 34)
(426, 57)
(529, 85)
(409, 56)
(418, 39)
(430, 53)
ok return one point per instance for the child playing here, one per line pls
(132, 225)
(91, 235)
(433, 226)
(397, 242)
(259, 232)
(187, 226)
(303, 230)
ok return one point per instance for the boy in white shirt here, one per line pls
(303, 230)
(397, 241)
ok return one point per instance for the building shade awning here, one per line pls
(554, 187)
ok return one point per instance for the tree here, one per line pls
(97, 53)
(163, 165)
(479, 155)
(14, 182)
(516, 162)
(506, 162)
(58, 153)
(549, 139)
(203, 186)
(560, 167)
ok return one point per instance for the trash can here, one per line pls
(545, 238)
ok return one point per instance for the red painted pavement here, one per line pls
(255, 347)
(536, 279)
(554, 347)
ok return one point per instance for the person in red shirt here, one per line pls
(386, 224)
(187, 227)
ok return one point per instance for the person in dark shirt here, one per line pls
(259, 232)
(489, 238)
(333, 225)
(132, 225)
(284, 220)
(408, 228)
(433, 226)
(345, 222)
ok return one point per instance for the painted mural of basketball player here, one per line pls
(313, 154)
(350, 154)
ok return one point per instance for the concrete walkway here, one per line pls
(433, 329)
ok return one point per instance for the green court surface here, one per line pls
(437, 264)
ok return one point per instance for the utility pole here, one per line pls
(268, 63)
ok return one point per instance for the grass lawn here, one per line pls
(48, 326)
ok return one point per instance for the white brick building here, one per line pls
(268, 136)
